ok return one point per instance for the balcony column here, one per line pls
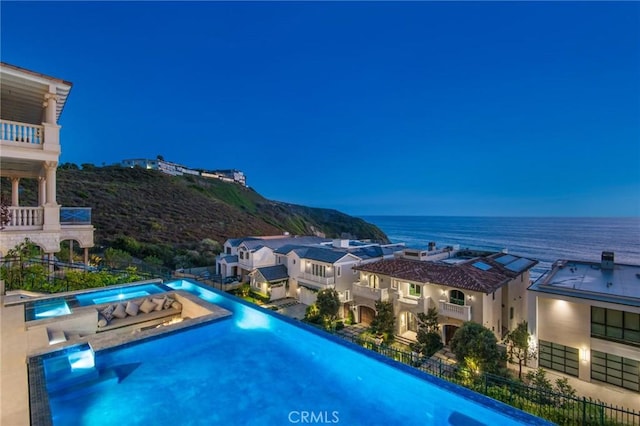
(42, 191)
(51, 136)
(50, 168)
(86, 255)
(50, 104)
(15, 192)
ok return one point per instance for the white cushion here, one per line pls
(132, 309)
(120, 311)
(147, 306)
(159, 303)
(102, 321)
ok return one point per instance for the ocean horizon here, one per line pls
(545, 239)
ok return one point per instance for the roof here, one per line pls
(23, 92)
(274, 273)
(321, 254)
(468, 275)
(229, 258)
(235, 242)
(588, 280)
(275, 243)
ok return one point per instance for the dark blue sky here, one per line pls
(500, 109)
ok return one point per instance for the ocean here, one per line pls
(544, 239)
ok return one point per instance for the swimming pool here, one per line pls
(117, 294)
(48, 308)
(255, 368)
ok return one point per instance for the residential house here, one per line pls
(30, 107)
(488, 289)
(585, 319)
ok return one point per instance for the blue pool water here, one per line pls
(46, 309)
(115, 295)
(253, 368)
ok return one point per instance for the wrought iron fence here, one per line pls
(556, 407)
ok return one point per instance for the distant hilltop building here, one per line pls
(174, 169)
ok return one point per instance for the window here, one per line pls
(414, 289)
(339, 270)
(374, 281)
(611, 324)
(558, 357)
(511, 312)
(318, 270)
(493, 296)
(394, 284)
(456, 297)
(241, 255)
(228, 250)
(616, 370)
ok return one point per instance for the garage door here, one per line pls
(278, 292)
(308, 297)
(366, 315)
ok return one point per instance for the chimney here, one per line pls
(607, 260)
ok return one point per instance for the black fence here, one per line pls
(558, 408)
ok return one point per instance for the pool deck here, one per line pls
(16, 345)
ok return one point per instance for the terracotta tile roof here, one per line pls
(462, 275)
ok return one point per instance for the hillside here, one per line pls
(152, 207)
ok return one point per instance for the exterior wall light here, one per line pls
(584, 354)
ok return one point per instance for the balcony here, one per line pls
(370, 293)
(455, 311)
(32, 218)
(25, 218)
(324, 281)
(75, 215)
(22, 134)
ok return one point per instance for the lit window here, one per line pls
(414, 289)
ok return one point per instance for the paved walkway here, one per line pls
(289, 307)
(352, 331)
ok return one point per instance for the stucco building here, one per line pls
(30, 107)
(585, 319)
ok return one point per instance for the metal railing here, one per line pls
(556, 407)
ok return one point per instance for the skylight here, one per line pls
(481, 265)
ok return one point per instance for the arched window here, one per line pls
(374, 281)
(456, 297)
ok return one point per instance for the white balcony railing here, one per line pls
(25, 218)
(316, 279)
(370, 293)
(23, 133)
(455, 311)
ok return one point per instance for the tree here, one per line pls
(519, 348)
(116, 258)
(476, 348)
(384, 322)
(5, 213)
(328, 303)
(428, 337)
(22, 269)
(538, 379)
